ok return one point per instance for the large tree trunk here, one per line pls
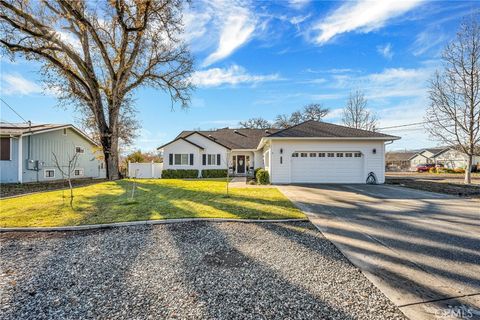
(468, 170)
(110, 151)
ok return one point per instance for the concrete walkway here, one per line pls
(421, 249)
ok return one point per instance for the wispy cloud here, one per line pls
(361, 16)
(298, 4)
(428, 39)
(386, 50)
(16, 84)
(232, 75)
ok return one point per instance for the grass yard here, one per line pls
(154, 199)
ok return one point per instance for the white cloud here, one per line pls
(232, 75)
(334, 114)
(237, 30)
(16, 84)
(362, 16)
(386, 50)
(427, 40)
(298, 4)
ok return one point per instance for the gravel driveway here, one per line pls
(186, 271)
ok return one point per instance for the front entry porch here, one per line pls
(241, 164)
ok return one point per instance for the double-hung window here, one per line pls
(211, 159)
(181, 159)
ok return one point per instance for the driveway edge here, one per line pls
(143, 222)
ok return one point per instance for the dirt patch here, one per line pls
(14, 189)
(437, 183)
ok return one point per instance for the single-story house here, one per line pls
(398, 160)
(26, 153)
(447, 156)
(310, 152)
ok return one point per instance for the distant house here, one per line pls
(398, 160)
(446, 156)
(26, 152)
(310, 152)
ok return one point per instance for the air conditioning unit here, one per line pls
(31, 164)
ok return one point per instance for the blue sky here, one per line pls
(260, 59)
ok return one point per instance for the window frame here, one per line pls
(303, 154)
(330, 154)
(187, 155)
(312, 154)
(295, 155)
(322, 154)
(348, 154)
(49, 177)
(339, 154)
(211, 156)
(357, 155)
(80, 150)
(82, 172)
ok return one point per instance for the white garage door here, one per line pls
(327, 167)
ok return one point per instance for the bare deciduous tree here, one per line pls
(356, 115)
(94, 55)
(67, 170)
(453, 116)
(255, 123)
(314, 111)
(281, 121)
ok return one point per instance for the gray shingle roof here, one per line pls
(315, 129)
(22, 128)
(234, 138)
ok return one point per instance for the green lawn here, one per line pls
(154, 199)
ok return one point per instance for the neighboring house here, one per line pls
(398, 160)
(27, 152)
(311, 152)
(448, 157)
(424, 156)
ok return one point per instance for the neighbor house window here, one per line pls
(348, 154)
(303, 154)
(313, 154)
(50, 173)
(78, 172)
(331, 154)
(5, 149)
(181, 159)
(65, 131)
(211, 159)
(79, 150)
(321, 154)
(340, 155)
(295, 154)
(358, 154)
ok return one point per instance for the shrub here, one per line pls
(459, 170)
(432, 170)
(255, 172)
(251, 182)
(214, 173)
(262, 177)
(179, 173)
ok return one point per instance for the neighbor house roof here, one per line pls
(399, 155)
(316, 129)
(183, 139)
(22, 129)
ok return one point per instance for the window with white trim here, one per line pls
(321, 154)
(78, 172)
(295, 155)
(303, 154)
(79, 149)
(313, 154)
(181, 159)
(348, 154)
(339, 154)
(358, 154)
(331, 154)
(49, 173)
(211, 159)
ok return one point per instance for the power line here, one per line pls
(11, 108)
(12, 124)
(410, 124)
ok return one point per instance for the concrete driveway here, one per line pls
(421, 249)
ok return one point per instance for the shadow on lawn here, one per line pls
(165, 201)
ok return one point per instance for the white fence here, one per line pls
(145, 170)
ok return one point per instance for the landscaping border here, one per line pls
(143, 222)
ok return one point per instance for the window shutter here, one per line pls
(204, 159)
(191, 159)
(170, 159)
(218, 159)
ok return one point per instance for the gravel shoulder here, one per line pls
(185, 271)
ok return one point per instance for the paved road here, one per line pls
(421, 249)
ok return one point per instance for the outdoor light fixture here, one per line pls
(281, 150)
(374, 151)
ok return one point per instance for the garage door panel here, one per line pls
(327, 169)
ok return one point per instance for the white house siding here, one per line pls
(9, 168)
(281, 173)
(181, 146)
(42, 147)
(455, 159)
(258, 159)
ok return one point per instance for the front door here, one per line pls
(241, 164)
